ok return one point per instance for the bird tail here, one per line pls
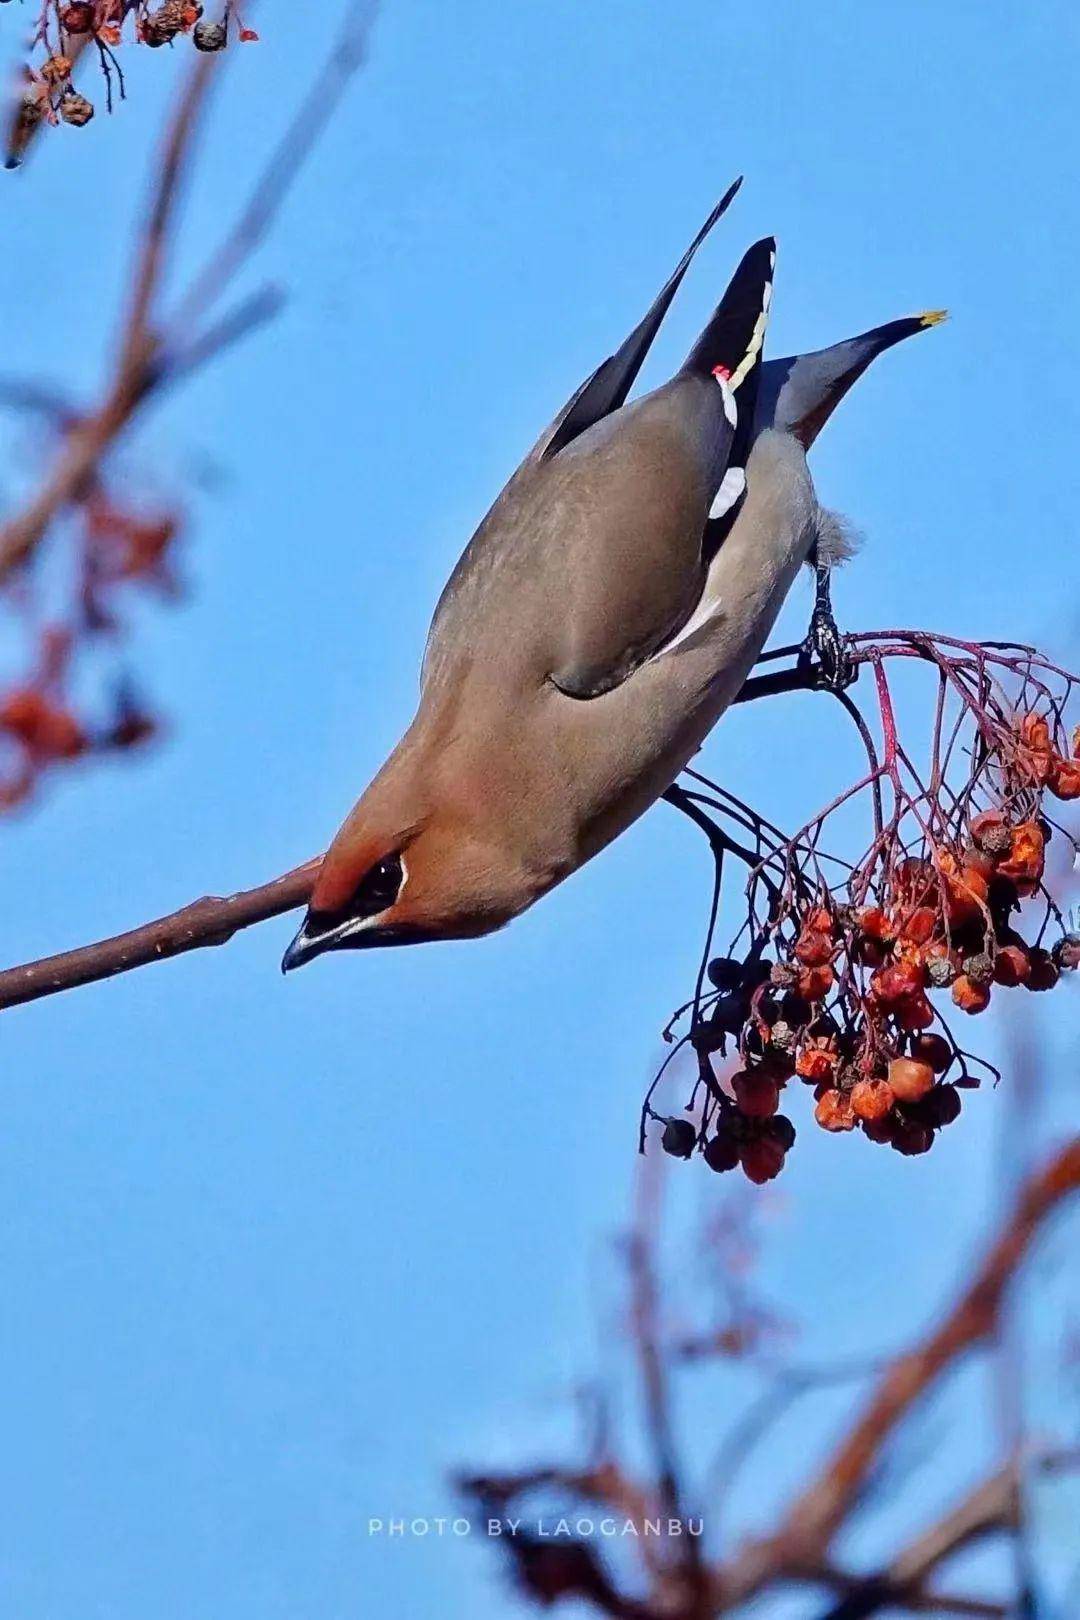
(799, 394)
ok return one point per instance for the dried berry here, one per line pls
(920, 925)
(1044, 970)
(914, 1012)
(813, 949)
(816, 982)
(818, 1060)
(56, 69)
(782, 1038)
(966, 890)
(754, 974)
(910, 1079)
(210, 36)
(161, 26)
(834, 1111)
(75, 109)
(1024, 863)
(1067, 953)
(679, 1138)
(783, 976)
(1035, 732)
(77, 18)
(874, 924)
(940, 971)
(872, 1099)
(992, 833)
(896, 983)
(1065, 779)
(913, 882)
(979, 968)
(970, 998)
(795, 1011)
(729, 1013)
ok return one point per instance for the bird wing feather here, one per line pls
(594, 553)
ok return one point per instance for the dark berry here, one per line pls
(679, 1138)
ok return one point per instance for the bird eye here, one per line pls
(378, 888)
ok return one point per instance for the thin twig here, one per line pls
(210, 921)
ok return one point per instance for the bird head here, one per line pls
(405, 869)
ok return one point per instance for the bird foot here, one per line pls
(835, 669)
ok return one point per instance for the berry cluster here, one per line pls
(842, 982)
(66, 28)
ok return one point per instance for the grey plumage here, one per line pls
(602, 618)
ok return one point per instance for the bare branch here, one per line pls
(210, 921)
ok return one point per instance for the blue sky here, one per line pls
(278, 1255)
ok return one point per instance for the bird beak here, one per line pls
(317, 934)
(321, 932)
(310, 941)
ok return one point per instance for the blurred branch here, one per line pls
(991, 1508)
(150, 345)
(347, 57)
(135, 374)
(797, 1552)
(820, 1509)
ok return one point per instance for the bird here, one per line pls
(601, 619)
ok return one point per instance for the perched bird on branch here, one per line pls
(600, 621)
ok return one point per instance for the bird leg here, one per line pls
(835, 668)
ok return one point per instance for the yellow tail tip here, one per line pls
(933, 317)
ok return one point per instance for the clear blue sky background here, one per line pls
(278, 1255)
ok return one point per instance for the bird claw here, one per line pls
(835, 669)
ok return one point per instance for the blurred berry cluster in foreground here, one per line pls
(64, 30)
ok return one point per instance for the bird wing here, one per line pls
(609, 386)
(594, 553)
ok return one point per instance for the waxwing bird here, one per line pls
(602, 618)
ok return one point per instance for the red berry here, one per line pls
(756, 1093)
(910, 1079)
(762, 1159)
